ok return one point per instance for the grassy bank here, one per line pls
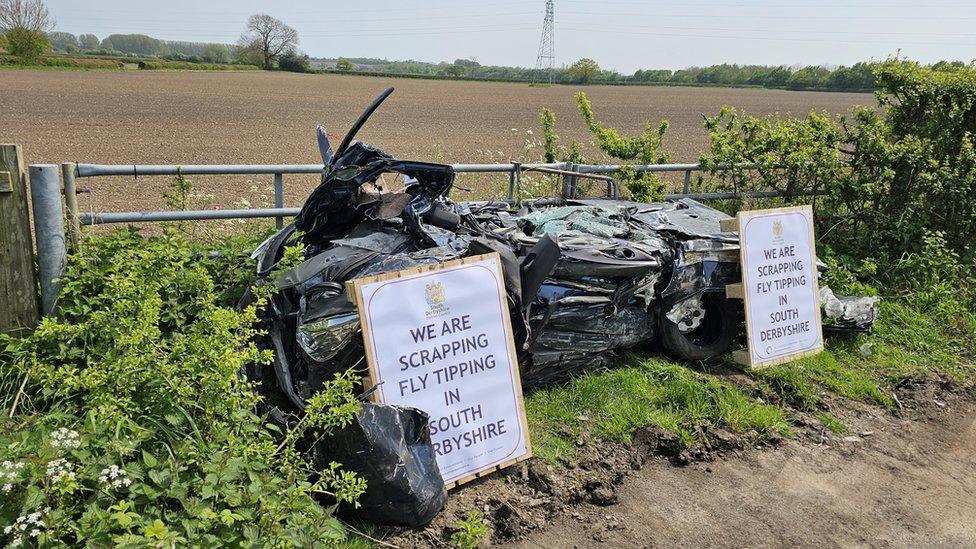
(187, 66)
(61, 63)
(908, 342)
(57, 62)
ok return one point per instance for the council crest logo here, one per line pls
(435, 293)
(777, 228)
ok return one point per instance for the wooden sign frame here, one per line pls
(740, 290)
(373, 376)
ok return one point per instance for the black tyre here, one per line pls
(711, 337)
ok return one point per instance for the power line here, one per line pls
(845, 17)
(859, 32)
(765, 38)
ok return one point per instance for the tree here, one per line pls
(24, 23)
(469, 64)
(584, 70)
(216, 53)
(808, 78)
(88, 41)
(344, 64)
(31, 15)
(63, 40)
(26, 43)
(293, 61)
(639, 149)
(455, 70)
(268, 36)
(139, 44)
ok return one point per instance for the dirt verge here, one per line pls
(906, 478)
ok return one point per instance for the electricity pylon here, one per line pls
(546, 59)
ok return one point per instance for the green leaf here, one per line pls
(156, 530)
(35, 498)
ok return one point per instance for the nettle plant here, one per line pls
(125, 421)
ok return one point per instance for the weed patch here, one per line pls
(612, 404)
(908, 341)
(470, 531)
(832, 424)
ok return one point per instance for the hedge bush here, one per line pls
(68, 62)
(899, 179)
(187, 66)
(124, 421)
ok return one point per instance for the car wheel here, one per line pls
(715, 323)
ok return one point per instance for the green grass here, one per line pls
(832, 424)
(907, 342)
(59, 63)
(913, 343)
(611, 404)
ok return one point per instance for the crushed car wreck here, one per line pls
(585, 278)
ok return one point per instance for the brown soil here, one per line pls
(256, 118)
(893, 480)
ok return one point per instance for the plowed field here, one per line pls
(209, 117)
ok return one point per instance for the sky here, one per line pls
(624, 35)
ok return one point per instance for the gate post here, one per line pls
(52, 255)
(68, 171)
(18, 279)
(279, 198)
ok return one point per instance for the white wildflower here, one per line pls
(114, 476)
(65, 438)
(7, 488)
(60, 469)
(9, 472)
(31, 521)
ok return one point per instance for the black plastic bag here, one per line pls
(389, 446)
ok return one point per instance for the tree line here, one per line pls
(858, 77)
(141, 45)
(27, 31)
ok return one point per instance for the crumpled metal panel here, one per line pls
(689, 218)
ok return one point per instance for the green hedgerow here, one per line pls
(129, 425)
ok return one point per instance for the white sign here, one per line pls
(439, 339)
(779, 276)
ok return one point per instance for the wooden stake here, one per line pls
(19, 311)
